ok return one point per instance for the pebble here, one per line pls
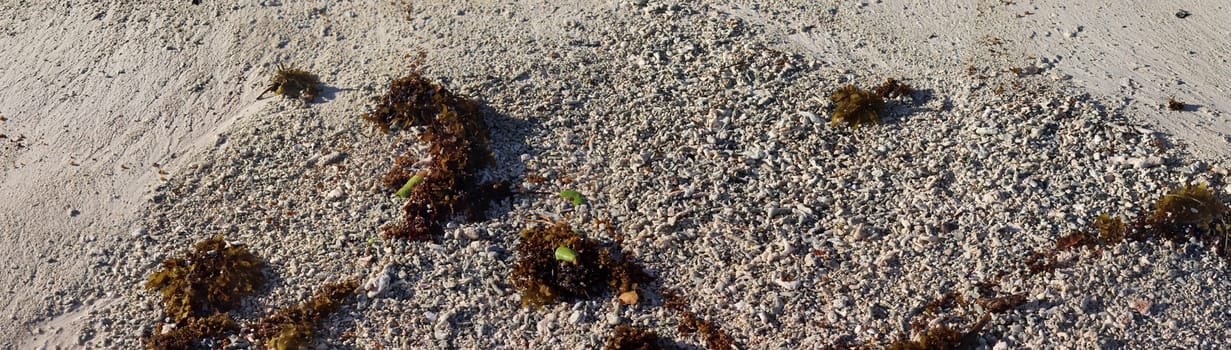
(332, 158)
(335, 195)
(378, 284)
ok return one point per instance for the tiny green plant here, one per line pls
(574, 196)
(564, 253)
(409, 186)
(856, 106)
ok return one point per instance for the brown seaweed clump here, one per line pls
(294, 83)
(892, 88)
(939, 337)
(1174, 104)
(414, 101)
(714, 336)
(1188, 205)
(292, 327)
(1189, 211)
(544, 279)
(457, 137)
(195, 333)
(856, 107)
(628, 337)
(211, 278)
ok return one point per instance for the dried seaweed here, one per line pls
(945, 332)
(1192, 211)
(195, 333)
(1002, 304)
(1175, 105)
(633, 338)
(856, 107)
(1111, 230)
(1188, 205)
(413, 101)
(939, 337)
(714, 336)
(292, 327)
(294, 83)
(892, 88)
(543, 279)
(456, 134)
(211, 278)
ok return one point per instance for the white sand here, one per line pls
(102, 92)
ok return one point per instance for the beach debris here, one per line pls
(626, 337)
(556, 263)
(456, 134)
(1175, 105)
(213, 277)
(292, 327)
(892, 88)
(573, 196)
(856, 106)
(293, 83)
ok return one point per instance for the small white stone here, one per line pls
(791, 285)
(380, 283)
(335, 195)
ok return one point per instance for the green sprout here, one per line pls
(566, 254)
(575, 196)
(410, 185)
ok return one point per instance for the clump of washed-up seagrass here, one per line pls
(855, 106)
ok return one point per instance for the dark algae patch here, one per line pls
(892, 88)
(195, 333)
(1188, 211)
(294, 83)
(292, 327)
(856, 107)
(626, 337)
(456, 134)
(1175, 105)
(211, 278)
(714, 336)
(199, 289)
(544, 277)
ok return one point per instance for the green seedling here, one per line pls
(574, 196)
(566, 254)
(409, 186)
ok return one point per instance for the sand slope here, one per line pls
(100, 93)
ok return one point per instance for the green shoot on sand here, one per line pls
(575, 196)
(566, 254)
(409, 186)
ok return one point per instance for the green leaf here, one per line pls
(575, 196)
(410, 185)
(566, 254)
